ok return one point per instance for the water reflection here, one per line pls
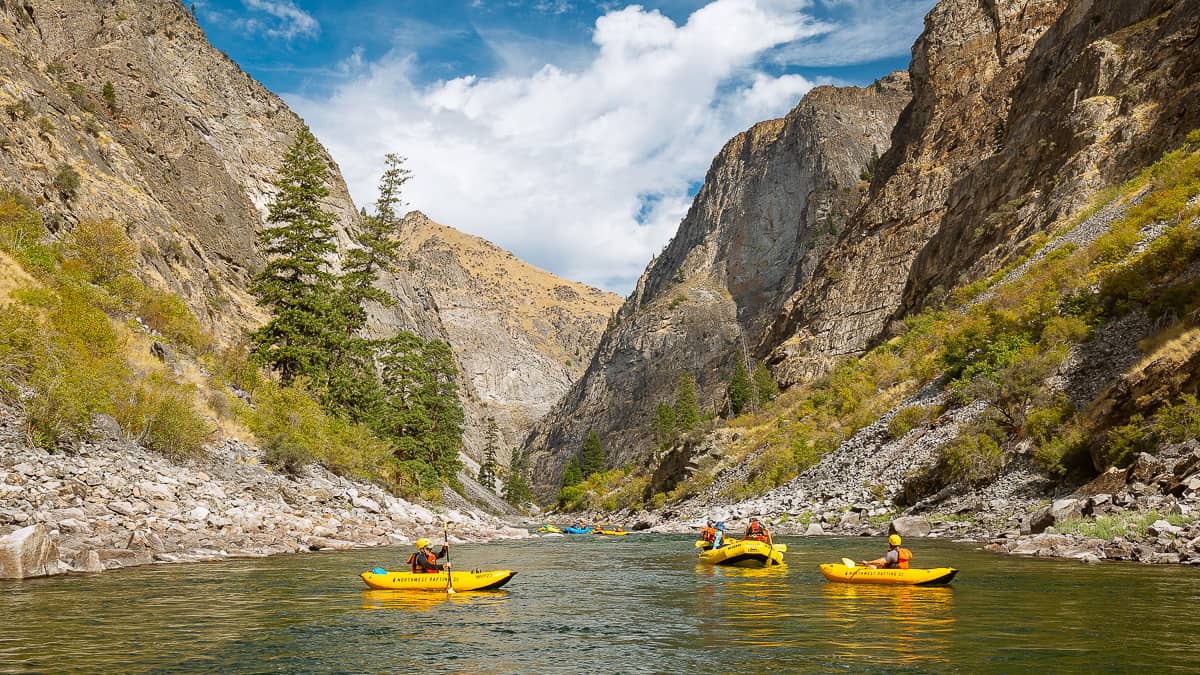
(905, 624)
(422, 601)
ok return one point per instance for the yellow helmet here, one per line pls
(422, 543)
(894, 540)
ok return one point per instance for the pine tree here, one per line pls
(572, 473)
(421, 413)
(297, 285)
(593, 458)
(687, 414)
(741, 389)
(487, 469)
(375, 240)
(664, 425)
(764, 384)
(516, 487)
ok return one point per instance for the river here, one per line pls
(599, 604)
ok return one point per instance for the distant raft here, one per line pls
(611, 533)
(745, 553)
(577, 530)
(463, 581)
(869, 575)
(549, 529)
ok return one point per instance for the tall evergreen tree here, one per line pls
(421, 413)
(664, 425)
(572, 472)
(741, 389)
(297, 285)
(764, 384)
(375, 243)
(487, 468)
(516, 486)
(593, 458)
(687, 413)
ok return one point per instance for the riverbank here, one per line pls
(1148, 512)
(110, 503)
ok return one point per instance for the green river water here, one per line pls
(605, 604)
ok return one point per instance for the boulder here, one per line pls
(814, 529)
(850, 519)
(1060, 511)
(1161, 527)
(28, 552)
(1187, 465)
(1144, 469)
(367, 504)
(910, 526)
(87, 561)
(121, 508)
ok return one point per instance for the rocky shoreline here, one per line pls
(1148, 512)
(110, 503)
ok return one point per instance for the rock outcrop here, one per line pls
(521, 335)
(1021, 109)
(772, 204)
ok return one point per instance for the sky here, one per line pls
(573, 133)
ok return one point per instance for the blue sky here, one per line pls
(571, 132)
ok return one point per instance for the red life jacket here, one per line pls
(757, 531)
(412, 563)
(709, 534)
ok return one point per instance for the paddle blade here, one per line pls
(700, 543)
(782, 548)
(847, 562)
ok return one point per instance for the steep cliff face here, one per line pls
(1020, 109)
(182, 148)
(522, 335)
(772, 203)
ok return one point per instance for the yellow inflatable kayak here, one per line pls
(551, 529)
(744, 553)
(611, 533)
(869, 575)
(463, 581)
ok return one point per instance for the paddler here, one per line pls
(424, 561)
(895, 558)
(709, 535)
(756, 530)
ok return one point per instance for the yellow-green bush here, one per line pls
(908, 418)
(161, 414)
(20, 223)
(101, 248)
(294, 430)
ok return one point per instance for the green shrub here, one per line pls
(21, 109)
(294, 430)
(908, 418)
(975, 454)
(66, 180)
(46, 126)
(166, 313)
(109, 93)
(1180, 421)
(101, 248)
(20, 223)
(160, 414)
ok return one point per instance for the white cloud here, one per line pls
(581, 169)
(280, 19)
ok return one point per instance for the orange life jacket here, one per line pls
(709, 534)
(905, 556)
(412, 563)
(757, 531)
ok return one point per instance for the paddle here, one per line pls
(848, 562)
(446, 544)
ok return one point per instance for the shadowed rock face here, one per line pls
(1021, 109)
(771, 205)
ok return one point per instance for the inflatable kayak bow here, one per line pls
(577, 530)
(870, 575)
